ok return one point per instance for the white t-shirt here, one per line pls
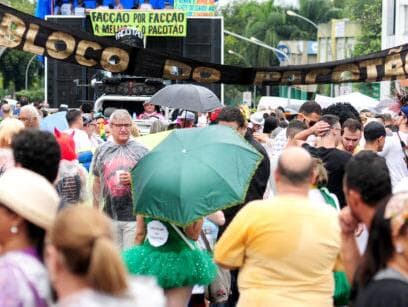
(81, 139)
(146, 6)
(79, 11)
(279, 142)
(143, 291)
(394, 157)
(66, 9)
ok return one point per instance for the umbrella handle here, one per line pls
(180, 233)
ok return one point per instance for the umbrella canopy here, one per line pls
(357, 100)
(192, 173)
(56, 120)
(153, 139)
(187, 96)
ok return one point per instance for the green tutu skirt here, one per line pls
(174, 265)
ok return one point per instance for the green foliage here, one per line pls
(368, 14)
(25, 6)
(13, 65)
(13, 62)
(32, 95)
(270, 24)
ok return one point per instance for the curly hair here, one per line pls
(38, 151)
(343, 110)
(87, 107)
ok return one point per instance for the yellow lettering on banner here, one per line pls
(82, 47)
(311, 76)
(109, 54)
(393, 67)
(175, 70)
(371, 67)
(56, 37)
(12, 30)
(291, 77)
(346, 72)
(265, 76)
(29, 44)
(206, 74)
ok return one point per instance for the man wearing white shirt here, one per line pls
(146, 5)
(309, 113)
(66, 8)
(387, 146)
(76, 124)
(394, 147)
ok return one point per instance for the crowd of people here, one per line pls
(79, 7)
(324, 221)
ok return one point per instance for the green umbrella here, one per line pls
(193, 173)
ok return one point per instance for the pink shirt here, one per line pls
(145, 115)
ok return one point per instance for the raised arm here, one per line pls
(318, 129)
(193, 231)
(350, 254)
(140, 230)
(96, 192)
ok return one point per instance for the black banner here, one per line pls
(25, 32)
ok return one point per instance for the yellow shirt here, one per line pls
(286, 249)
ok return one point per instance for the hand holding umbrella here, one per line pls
(193, 173)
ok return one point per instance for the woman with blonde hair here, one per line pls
(8, 129)
(319, 191)
(85, 266)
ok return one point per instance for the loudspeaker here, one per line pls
(68, 83)
(202, 43)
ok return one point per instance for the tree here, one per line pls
(270, 24)
(368, 14)
(13, 62)
(13, 65)
(318, 11)
(25, 6)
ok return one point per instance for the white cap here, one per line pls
(187, 115)
(257, 118)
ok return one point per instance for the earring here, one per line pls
(399, 249)
(14, 230)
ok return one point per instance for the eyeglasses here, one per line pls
(24, 119)
(127, 126)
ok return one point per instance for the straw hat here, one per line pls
(29, 195)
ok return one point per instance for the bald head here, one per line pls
(295, 166)
(30, 117)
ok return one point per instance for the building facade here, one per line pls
(394, 32)
(336, 41)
